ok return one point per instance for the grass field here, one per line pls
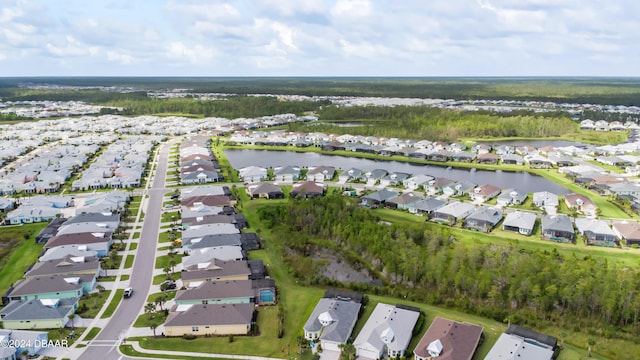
(16, 261)
(113, 305)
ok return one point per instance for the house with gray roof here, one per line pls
(417, 181)
(394, 179)
(624, 189)
(511, 197)
(201, 210)
(286, 174)
(511, 159)
(31, 214)
(98, 242)
(52, 287)
(403, 201)
(352, 175)
(557, 228)
(388, 327)
(204, 190)
(521, 222)
(38, 314)
(596, 232)
(427, 206)
(63, 251)
(378, 198)
(198, 231)
(265, 191)
(224, 253)
(210, 319)
(90, 223)
(453, 212)
(321, 173)
(216, 271)
(483, 218)
(332, 322)
(546, 201)
(211, 240)
(513, 347)
(217, 292)
(252, 174)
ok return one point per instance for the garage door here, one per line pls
(371, 354)
(330, 345)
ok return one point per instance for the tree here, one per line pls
(71, 318)
(167, 271)
(153, 327)
(160, 300)
(100, 289)
(347, 351)
(149, 308)
(590, 343)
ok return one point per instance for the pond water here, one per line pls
(522, 181)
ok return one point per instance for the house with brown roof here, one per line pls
(484, 192)
(307, 189)
(488, 158)
(98, 242)
(265, 191)
(448, 340)
(581, 204)
(629, 231)
(210, 319)
(208, 200)
(216, 271)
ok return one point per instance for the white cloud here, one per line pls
(72, 48)
(195, 54)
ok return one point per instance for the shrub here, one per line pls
(189, 336)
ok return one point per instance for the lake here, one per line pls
(522, 181)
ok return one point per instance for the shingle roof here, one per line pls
(217, 290)
(212, 314)
(344, 315)
(459, 340)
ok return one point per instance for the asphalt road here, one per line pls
(105, 345)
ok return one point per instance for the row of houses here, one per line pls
(121, 165)
(389, 330)
(45, 169)
(221, 288)
(197, 164)
(68, 268)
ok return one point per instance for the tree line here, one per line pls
(425, 263)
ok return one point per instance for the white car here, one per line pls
(128, 292)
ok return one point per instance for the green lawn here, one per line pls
(93, 332)
(164, 260)
(13, 265)
(128, 263)
(162, 277)
(93, 302)
(113, 305)
(134, 245)
(169, 295)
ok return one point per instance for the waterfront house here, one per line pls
(511, 197)
(394, 179)
(487, 158)
(511, 159)
(463, 156)
(352, 175)
(417, 181)
(252, 174)
(321, 173)
(286, 174)
(484, 192)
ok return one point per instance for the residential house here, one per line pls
(286, 174)
(596, 232)
(453, 212)
(394, 179)
(546, 201)
(52, 287)
(69, 266)
(210, 319)
(389, 327)
(38, 313)
(252, 174)
(321, 173)
(98, 242)
(581, 204)
(378, 198)
(488, 158)
(63, 251)
(448, 340)
(427, 206)
(307, 189)
(459, 188)
(511, 197)
(403, 201)
(208, 200)
(484, 192)
(198, 231)
(511, 159)
(374, 176)
(332, 322)
(536, 161)
(557, 228)
(437, 185)
(440, 156)
(352, 175)
(520, 221)
(90, 222)
(624, 189)
(217, 292)
(417, 181)
(629, 231)
(483, 218)
(463, 156)
(220, 270)
(238, 220)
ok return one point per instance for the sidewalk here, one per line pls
(136, 346)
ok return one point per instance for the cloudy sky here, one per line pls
(319, 38)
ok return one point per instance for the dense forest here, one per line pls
(425, 263)
(613, 91)
(425, 122)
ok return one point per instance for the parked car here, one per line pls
(168, 285)
(128, 292)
